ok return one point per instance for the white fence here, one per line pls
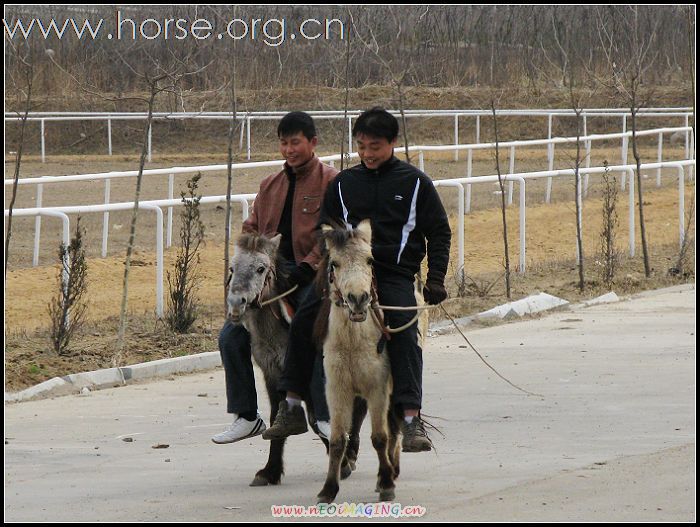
(248, 118)
(458, 183)
(466, 207)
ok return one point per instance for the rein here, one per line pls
(377, 310)
(268, 279)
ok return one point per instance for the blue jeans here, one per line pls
(241, 395)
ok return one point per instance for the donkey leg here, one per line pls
(380, 442)
(271, 473)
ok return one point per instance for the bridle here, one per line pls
(376, 312)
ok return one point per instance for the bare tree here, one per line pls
(397, 67)
(501, 185)
(570, 64)
(25, 70)
(631, 52)
(234, 124)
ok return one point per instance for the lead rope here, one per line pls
(482, 358)
(278, 297)
(421, 308)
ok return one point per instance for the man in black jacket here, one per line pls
(405, 212)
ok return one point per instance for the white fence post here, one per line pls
(43, 143)
(659, 158)
(468, 197)
(105, 219)
(511, 170)
(109, 137)
(421, 161)
(456, 136)
(247, 121)
(681, 204)
(171, 191)
(37, 225)
(623, 154)
(588, 165)
(550, 166)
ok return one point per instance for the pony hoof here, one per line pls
(259, 481)
(387, 495)
(345, 471)
(323, 499)
(353, 464)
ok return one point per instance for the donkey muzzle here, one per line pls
(236, 308)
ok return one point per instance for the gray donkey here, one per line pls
(256, 276)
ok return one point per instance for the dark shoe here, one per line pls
(415, 438)
(289, 422)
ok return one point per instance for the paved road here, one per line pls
(613, 438)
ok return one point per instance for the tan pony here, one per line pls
(354, 359)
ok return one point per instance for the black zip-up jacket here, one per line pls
(404, 210)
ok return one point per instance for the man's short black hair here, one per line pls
(377, 122)
(295, 122)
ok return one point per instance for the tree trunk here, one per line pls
(132, 231)
(229, 172)
(638, 160)
(579, 204)
(503, 201)
(18, 162)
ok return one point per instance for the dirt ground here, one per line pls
(550, 268)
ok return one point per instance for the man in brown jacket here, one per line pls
(287, 203)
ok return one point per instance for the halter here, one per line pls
(376, 312)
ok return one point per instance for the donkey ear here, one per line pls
(365, 230)
(275, 240)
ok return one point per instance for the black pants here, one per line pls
(241, 395)
(405, 355)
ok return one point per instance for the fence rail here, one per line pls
(248, 117)
(458, 183)
(421, 149)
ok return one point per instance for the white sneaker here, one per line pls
(324, 429)
(240, 429)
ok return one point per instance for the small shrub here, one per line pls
(67, 309)
(609, 256)
(182, 305)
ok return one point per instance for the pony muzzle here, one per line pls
(358, 307)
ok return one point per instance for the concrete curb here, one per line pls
(109, 378)
(526, 306)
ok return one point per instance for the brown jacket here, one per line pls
(312, 178)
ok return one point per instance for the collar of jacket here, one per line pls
(384, 167)
(304, 170)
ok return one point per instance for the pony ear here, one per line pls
(325, 229)
(365, 230)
